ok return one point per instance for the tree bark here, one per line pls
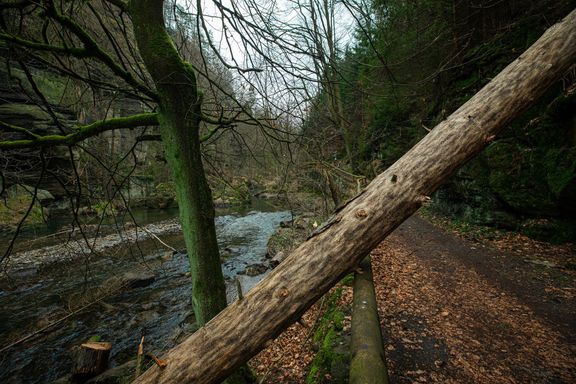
(179, 116)
(242, 329)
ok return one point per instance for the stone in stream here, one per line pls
(130, 280)
(268, 195)
(227, 252)
(138, 279)
(24, 273)
(255, 270)
(277, 259)
(168, 256)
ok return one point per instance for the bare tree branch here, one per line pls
(81, 133)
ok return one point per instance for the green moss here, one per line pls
(348, 280)
(560, 167)
(555, 231)
(338, 320)
(13, 209)
(324, 358)
(325, 338)
(53, 87)
(95, 338)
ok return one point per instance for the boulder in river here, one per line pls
(277, 259)
(256, 269)
(138, 279)
(269, 195)
(130, 280)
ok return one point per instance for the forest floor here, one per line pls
(459, 311)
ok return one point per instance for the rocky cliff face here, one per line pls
(20, 107)
(64, 106)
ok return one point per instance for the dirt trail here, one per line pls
(454, 311)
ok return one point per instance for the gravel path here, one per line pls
(454, 311)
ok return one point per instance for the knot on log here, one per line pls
(282, 293)
(423, 199)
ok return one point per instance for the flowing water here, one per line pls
(160, 311)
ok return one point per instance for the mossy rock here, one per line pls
(517, 180)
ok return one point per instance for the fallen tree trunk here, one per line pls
(244, 327)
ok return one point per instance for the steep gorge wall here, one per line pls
(431, 58)
(66, 105)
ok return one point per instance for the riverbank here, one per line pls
(153, 295)
(76, 244)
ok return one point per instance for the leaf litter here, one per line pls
(455, 311)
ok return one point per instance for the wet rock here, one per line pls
(268, 195)
(221, 202)
(228, 252)
(232, 249)
(24, 273)
(277, 259)
(184, 331)
(44, 197)
(131, 280)
(138, 279)
(256, 269)
(189, 318)
(148, 316)
(167, 256)
(303, 222)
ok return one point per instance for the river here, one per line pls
(161, 310)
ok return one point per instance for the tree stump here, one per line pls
(89, 360)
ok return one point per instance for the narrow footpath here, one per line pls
(455, 311)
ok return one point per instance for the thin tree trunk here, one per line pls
(244, 328)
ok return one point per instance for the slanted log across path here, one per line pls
(244, 327)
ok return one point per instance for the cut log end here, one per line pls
(89, 360)
(100, 346)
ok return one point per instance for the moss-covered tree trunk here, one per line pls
(180, 116)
